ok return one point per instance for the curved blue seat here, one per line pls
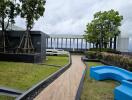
(118, 74)
(124, 91)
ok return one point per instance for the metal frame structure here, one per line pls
(67, 42)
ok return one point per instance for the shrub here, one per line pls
(122, 61)
(91, 54)
(118, 60)
(105, 50)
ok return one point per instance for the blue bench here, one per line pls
(122, 92)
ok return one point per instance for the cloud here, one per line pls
(71, 16)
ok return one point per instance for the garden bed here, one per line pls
(97, 90)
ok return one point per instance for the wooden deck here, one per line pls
(65, 87)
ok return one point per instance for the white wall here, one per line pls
(123, 44)
(130, 44)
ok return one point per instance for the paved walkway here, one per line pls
(65, 87)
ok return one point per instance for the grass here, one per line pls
(97, 90)
(23, 76)
(3, 97)
(57, 60)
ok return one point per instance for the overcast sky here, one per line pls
(71, 16)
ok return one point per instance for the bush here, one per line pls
(77, 52)
(105, 50)
(118, 60)
(91, 54)
(110, 58)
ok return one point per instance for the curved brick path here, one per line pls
(65, 87)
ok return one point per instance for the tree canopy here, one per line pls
(104, 26)
(9, 9)
(32, 10)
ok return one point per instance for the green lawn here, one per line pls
(23, 76)
(57, 60)
(3, 97)
(97, 90)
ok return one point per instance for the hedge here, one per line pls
(105, 50)
(119, 60)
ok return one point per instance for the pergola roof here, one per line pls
(68, 36)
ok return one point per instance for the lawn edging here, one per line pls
(36, 89)
(10, 91)
(79, 90)
(50, 65)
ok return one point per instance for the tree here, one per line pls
(14, 11)
(8, 10)
(106, 26)
(31, 10)
(92, 34)
(111, 20)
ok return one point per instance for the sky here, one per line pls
(72, 16)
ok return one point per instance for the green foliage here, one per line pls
(32, 10)
(4, 4)
(91, 34)
(9, 9)
(14, 11)
(118, 60)
(105, 50)
(104, 26)
(111, 58)
(91, 54)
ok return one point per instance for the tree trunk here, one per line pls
(93, 45)
(96, 45)
(111, 43)
(3, 35)
(115, 38)
(100, 47)
(105, 45)
(100, 44)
